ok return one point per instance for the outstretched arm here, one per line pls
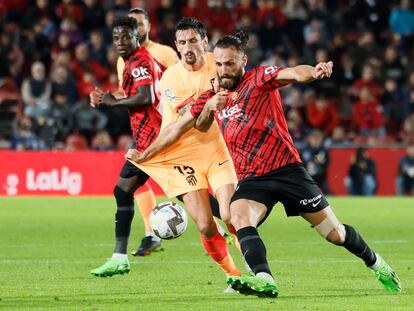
(166, 138)
(304, 73)
(143, 97)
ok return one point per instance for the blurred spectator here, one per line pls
(59, 118)
(321, 114)
(11, 57)
(316, 159)
(97, 47)
(407, 133)
(71, 28)
(367, 80)
(62, 82)
(362, 179)
(87, 121)
(69, 9)
(76, 142)
(393, 104)
(405, 179)
(36, 92)
(402, 19)
(297, 15)
(338, 138)
(125, 142)
(102, 142)
(297, 129)
(368, 116)
(83, 64)
(24, 137)
(219, 16)
(408, 93)
(392, 67)
(94, 14)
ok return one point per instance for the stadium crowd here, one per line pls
(54, 52)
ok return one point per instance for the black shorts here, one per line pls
(291, 185)
(130, 170)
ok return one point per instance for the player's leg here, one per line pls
(329, 227)
(129, 180)
(197, 204)
(146, 202)
(245, 216)
(224, 194)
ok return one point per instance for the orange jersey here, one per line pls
(178, 85)
(163, 54)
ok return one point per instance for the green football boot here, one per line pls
(112, 267)
(253, 285)
(386, 275)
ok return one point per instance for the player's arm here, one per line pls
(170, 134)
(206, 117)
(304, 73)
(143, 97)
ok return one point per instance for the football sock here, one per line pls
(253, 250)
(123, 219)
(118, 256)
(357, 246)
(146, 202)
(216, 248)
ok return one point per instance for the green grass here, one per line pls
(48, 246)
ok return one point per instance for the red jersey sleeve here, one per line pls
(197, 107)
(264, 77)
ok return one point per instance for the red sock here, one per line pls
(216, 247)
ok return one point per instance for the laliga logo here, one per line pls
(44, 181)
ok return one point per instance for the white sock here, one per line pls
(377, 262)
(118, 256)
(267, 276)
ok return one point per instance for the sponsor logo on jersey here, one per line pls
(315, 200)
(170, 94)
(140, 73)
(230, 112)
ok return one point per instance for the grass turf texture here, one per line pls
(49, 245)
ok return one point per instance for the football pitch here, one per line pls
(48, 245)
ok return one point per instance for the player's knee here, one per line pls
(122, 197)
(225, 217)
(332, 230)
(206, 227)
(239, 220)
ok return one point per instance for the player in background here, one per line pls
(140, 84)
(197, 160)
(249, 111)
(166, 57)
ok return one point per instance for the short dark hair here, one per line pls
(238, 40)
(139, 11)
(192, 23)
(125, 21)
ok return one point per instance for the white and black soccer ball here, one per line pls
(168, 220)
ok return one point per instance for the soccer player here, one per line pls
(140, 79)
(179, 172)
(197, 160)
(166, 57)
(249, 111)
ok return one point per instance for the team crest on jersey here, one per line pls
(170, 94)
(270, 70)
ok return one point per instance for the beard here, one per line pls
(190, 58)
(230, 82)
(142, 38)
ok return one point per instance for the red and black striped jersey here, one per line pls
(142, 69)
(253, 124)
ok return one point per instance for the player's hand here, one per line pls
(94, 97)
(134, 155)
(106, 99)
(218, 101)
(323, 70)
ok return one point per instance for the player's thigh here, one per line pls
(224, 195)
(221, 172)
(131, 178)
(246, 213)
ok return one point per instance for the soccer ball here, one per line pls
(168, 220)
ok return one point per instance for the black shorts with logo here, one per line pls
(291, 185)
